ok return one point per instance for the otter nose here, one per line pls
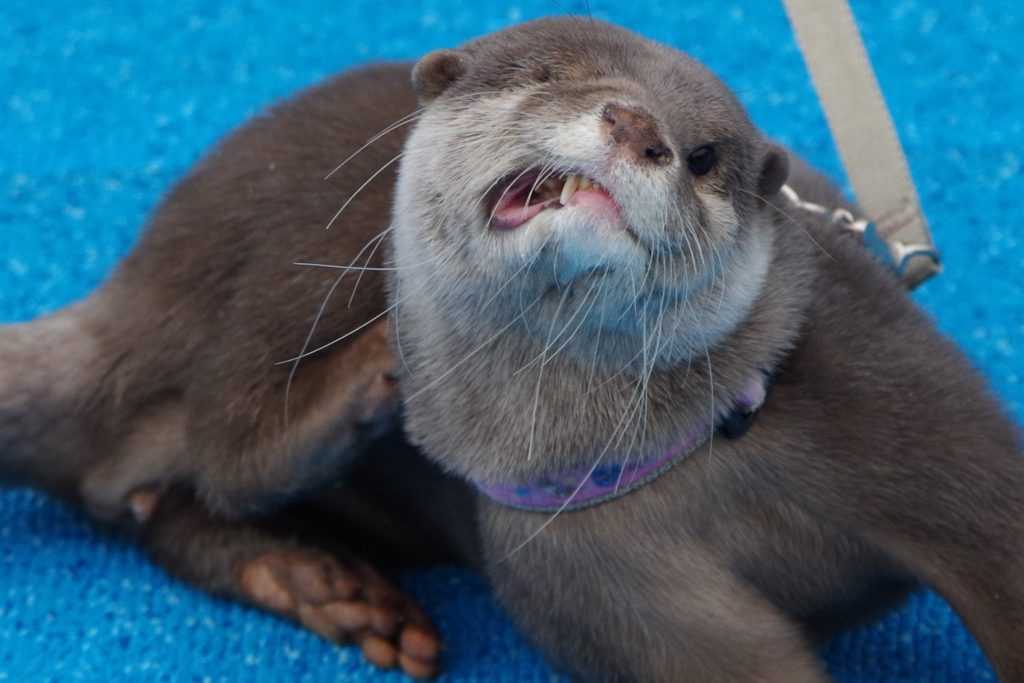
(636, 132)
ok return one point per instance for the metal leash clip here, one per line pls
(914, 263)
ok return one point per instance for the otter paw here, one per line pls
(345, 603)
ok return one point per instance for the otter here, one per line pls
(565, 328)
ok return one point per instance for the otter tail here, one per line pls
(48, 370)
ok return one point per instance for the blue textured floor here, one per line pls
(101, 109)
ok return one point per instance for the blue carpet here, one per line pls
(102, 108)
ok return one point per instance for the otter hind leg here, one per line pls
(276, 566)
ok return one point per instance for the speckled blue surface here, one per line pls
(102, 107)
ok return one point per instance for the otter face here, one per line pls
(569, 170)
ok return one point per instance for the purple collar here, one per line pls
(585, 487)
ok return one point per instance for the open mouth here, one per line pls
(517, 199)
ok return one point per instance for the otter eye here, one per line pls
(542, 74)
(702, 160)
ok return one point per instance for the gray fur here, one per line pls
(879, 460)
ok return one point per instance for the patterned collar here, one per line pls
(604, 481)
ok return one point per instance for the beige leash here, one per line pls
(862, 128)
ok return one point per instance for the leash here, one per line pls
(866, 138)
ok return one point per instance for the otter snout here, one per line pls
(635, 132)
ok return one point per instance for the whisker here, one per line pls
(713, 420)
(790, 219)
(433, 383)
(540, 377)
(381, 269)
(305, 354)
(362, 187)
(398, 123)
(362, 271)
(502, 195)
(403, 121)
(521, 268)
(575, 492)
(369, 269)
(641, 391)
(546, 172)
(597, 347)
(316, 321)
(548, 346)
(582, 321)
(398, 336)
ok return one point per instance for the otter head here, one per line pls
(572, 190)
(567, 165)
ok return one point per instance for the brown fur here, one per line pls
(880, 458)
(181, 345)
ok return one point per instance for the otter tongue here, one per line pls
(509, 215)
(511, 211)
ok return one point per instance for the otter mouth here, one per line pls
(518, 198)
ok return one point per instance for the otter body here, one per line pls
(582, 254)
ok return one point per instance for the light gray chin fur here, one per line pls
(435, 305)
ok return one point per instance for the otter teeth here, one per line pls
(572, 183)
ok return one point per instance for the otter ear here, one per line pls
(774, 171)
(436, 72)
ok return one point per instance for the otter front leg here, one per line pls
(951, 514)
(275, 567)
(966, 540)
(92, 408)
(288, 436)
(338, 403)
(644, 612)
